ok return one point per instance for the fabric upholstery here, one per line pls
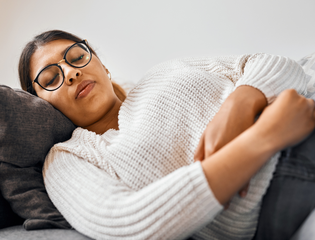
(7, 216)
(17, 232)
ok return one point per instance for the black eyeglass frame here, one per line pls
(58, 65)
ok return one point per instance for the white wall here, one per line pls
(131, 36)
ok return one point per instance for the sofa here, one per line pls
(29, 127)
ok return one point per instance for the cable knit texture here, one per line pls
(140, 182)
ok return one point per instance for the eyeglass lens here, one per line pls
(52, 76)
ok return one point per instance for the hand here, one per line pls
(236, 115)
(227, 124)
(287, 121)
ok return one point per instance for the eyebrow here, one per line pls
(65, 50)
(62, 54)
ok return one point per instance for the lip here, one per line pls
(84, 88)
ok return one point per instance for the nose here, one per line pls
(70, 73)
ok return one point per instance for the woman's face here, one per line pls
(86, 94)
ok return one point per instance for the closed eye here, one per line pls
(77, 59)
(52, 80)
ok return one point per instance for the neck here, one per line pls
(110, 121)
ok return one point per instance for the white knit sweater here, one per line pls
(140, 182)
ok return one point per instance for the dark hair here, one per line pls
(41, 40)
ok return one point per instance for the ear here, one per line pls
(110, 76)
(106, 69)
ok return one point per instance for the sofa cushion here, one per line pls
(7, 216)
(17, 232)
(29, 127)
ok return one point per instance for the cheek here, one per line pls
(57, 99)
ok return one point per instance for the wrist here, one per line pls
(248, 100)
(264, 139)
(232, 166)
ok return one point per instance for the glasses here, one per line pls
(52, 77)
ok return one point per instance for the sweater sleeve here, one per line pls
(270, 74)
(105, 208)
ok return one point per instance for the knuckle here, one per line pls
(209, 150)
(291, 91)
(310, 101)
(306, 102)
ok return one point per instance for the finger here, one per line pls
(244, 190)
(312, 102)
(226, 206)
(312, 106)
(211, 145)
(199, 153)
(209, 150)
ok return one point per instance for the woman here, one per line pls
(128, 171)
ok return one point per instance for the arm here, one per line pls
(236, 115)
(270, 74)
(105, 208)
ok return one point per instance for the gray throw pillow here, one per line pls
(29, 127)
(7, 216)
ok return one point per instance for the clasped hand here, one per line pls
(234, 117)
(280, 122)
